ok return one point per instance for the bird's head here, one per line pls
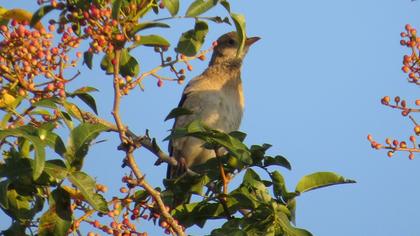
(227, 47)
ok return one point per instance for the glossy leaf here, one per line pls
(199, 7)
(152, 40)
(80, 139)
(41, 12)
(226, 5)
(88, 100)
(147, 25)
(116, 7)
(38, 144)
(57, 219)
(106, 64)
(278, 161)
(88, 59)
(172, 6)
(4, 186)
(239, 21)
(279, 185)
(319, 180)
(177, 112)
(56, 169)
(191, 41)
(87, 187)
(129, 66)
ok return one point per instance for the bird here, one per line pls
(215, 98)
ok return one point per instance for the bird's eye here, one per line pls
(231, 42)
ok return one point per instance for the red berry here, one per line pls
(160, 83)
(214, 44)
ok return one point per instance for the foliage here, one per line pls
(39, 171)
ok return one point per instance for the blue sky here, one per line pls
(313, 86)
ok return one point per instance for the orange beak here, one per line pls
(251, 40)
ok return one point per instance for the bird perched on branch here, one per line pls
(215, 97)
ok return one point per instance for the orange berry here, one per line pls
(418, 102)
(413, 32)
(403, 144)
(405, 69)
(411, 156)
(202, 57)
(412, 139)
(408, 27)
(388, 141)
(390, 154)
(189, 67)
(369, 137)
(91, 234)
(417, 129)
(123, 190)
(385, 100)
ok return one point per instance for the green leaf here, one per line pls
(79, 142)
(37, 143)
(86, 89)
(287, 228)
(320, 180)
(87, 188)
(89, 100)
(152, 40)
(128, 64)
(4, 186)
(88, 59)
(226, 5)
(106, 63)
(116, 7)
(147, 25)
(57, 220)
(191, 41)
(239, 21)
(277, 161)
(279, 185)
(198, 7)
(41, 12)
(56, 169)
(48, 103)
(177, 112)
(172, 6)
(16, 229)
(238, 135)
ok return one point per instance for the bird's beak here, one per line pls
(251, 40)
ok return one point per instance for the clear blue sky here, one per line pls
(313, 86)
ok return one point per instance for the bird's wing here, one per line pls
(170, 147)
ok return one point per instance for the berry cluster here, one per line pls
(396, 145)
(410, 62)
(30, 63)
(400, 104)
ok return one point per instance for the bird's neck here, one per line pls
(226, 70)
